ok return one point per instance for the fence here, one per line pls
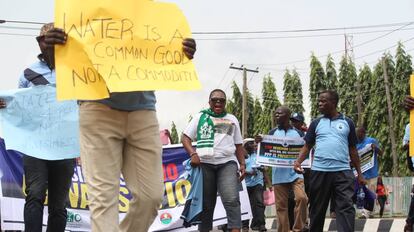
(399, 197)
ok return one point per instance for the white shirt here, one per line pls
(226, 135)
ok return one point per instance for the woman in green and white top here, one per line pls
(218, 151)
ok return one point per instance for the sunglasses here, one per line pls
(218, 100)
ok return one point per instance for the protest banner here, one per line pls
(366, 158)
(168, 218)
(35, 123)
(133, 46)
(280, 151)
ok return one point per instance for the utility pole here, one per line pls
(349, 54)
(245, 115)
(390, 121)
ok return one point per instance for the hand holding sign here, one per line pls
(298, 168)
(55, 36)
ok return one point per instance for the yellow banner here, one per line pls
(412, 118)
(121, 47)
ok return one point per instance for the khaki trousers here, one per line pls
(301, 206)
(114, 142)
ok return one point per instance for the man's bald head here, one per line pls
(282, 115)
(284, 109)
(360, 131)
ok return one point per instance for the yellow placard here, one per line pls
(411, 147)
(121, 47)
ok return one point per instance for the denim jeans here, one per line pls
(224, 179)
(40, 176)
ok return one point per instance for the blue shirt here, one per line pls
(372, 172)
(41, 68)
(285, 175)
(332, 139)
(253, 180)
(406, 138)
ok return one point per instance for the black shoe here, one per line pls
(245, 229)
(408, 228)
(262, 228)
(305, 228)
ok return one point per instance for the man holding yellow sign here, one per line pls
(114, 63)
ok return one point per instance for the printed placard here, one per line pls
(280, 151)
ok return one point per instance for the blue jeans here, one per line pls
(224, 179)
(54, 176)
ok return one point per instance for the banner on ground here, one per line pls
(133, 46)
(36, 124)
(280, 151)
(168, 218)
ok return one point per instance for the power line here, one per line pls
(336, 52)
(382, 36)
(234, 77)
(294, 36)
(21, 22)
(224, 76)
(17, 34)
(300, 30)
(20, 28)
(384, 49)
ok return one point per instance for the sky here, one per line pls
(215, 53)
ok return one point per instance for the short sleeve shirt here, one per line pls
(250, 166)
(41, 68)
(226, 135)
(332, 138)
(284, 175)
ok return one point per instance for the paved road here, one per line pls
(361, 225)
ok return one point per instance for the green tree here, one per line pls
(377, 114)
(317, 76)
(365, 78)
(400, 88)
(234, 105)
(347, 88)
(251, 120)
(270, 103)
(331, 77)
(257, 112)
(292, 91)
(174, 134)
